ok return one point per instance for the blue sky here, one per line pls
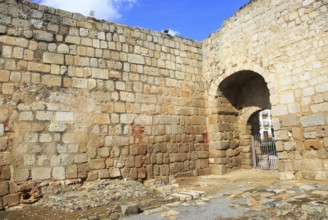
(188, 18)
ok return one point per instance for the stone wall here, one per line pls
(287, 44)
(88, 99)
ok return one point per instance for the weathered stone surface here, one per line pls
(71, 171)
(64, 116)
(11, 200)
(313, 165)
(129, 209)
(4, 188)
(93, 175)
(135, 58)
(115, 172)
(21, 174)
(217, 169)
(41, 173)
(312, 120)
(44, 36)
(80, 95)
(313, 145)
(58, 173)
(321, 175)
(290, 120)
(97, 164)
(104, 174)
(53, 58)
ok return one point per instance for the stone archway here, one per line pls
(238, 96)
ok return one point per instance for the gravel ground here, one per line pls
(250, 194)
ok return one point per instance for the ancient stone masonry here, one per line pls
(284, 46)
(88, 99)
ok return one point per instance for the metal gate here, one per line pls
(264, 152)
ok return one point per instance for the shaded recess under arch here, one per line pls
(239, 96)
(246, 88)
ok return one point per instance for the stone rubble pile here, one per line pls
(90, 195)
(134, 197)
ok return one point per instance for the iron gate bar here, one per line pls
(264, 152)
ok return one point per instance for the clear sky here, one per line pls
(188, 18)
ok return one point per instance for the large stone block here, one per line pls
(93, 175)
(58, 173)
(104, 174)
(313, 120)
(99, 73)
(14, 41)
(143, 120)
(97, 164)
(5, 173)
(4, 75)
(135, 58)
(57, 126)
(44, 115)
(63, 48)
(322, 154)
(21, 174)
(44, 36)
(81, 158)
(4, 188)
(11, 200)
(115, 172)
(39, 67)
(169, 119)
(64, 116)
(129, 209)
(308, 175)
(290, 120)
(281, 135)
(127, 118)
(71, 171)
(321, 175)
(222, 145)
(41, 173)
(308, 164)
(313, 145)
(217, 169)
(51, 80)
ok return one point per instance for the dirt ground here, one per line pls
(211, 185)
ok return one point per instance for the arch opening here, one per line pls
(246, 88)
(242, 99)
